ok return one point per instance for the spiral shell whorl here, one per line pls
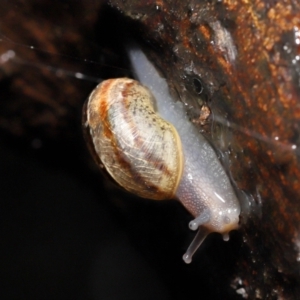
(139, 149)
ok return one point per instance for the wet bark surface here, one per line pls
(245, 54)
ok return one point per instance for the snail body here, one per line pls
(148, 145)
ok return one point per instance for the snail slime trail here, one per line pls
(159, 154)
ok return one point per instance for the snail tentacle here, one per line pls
(225, 237)
(195, 244)
(203, 218)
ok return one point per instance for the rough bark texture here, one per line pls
(246, 56)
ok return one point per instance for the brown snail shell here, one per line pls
(140, 150)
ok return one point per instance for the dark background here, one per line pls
(66, 232)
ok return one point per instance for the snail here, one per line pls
(147, 144)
